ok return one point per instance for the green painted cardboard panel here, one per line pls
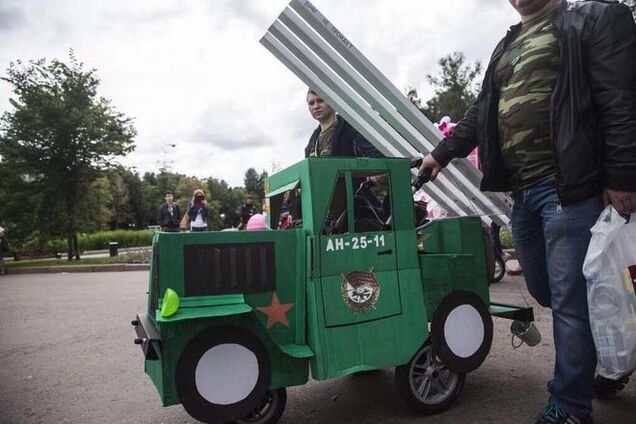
(337, 312)
(171, 251)
(442, 274)
(454, 235)
(283, 188)
(290, 264)
(155, 372)
(343, 253)
(370, 345)
(381, 343)
(463, 235)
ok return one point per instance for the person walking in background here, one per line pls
(169, 214)
(198, 211)
(555, 122)
(4, 248)
(248, 209)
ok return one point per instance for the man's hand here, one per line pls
(623, 201)
(429, 161)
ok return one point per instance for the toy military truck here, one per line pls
(234, 318)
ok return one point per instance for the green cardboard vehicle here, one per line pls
(234, 318)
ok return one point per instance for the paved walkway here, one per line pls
(66, 356)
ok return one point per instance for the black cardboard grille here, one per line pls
(213, 269)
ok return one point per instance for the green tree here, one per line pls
(23, 200)
(455, 88)
(122, 211)
(167, 181)
(135, 202)
(255, 183)
(59, 136)
(151, 198)
(230, 200)
(97, 211)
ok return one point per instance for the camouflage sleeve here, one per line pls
(462, 141)
(613, 83)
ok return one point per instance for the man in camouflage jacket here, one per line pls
(555, 123)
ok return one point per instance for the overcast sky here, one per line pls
(193, 73)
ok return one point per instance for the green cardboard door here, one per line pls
(358, 267)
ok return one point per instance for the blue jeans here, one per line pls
(551, 241)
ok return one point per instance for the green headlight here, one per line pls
(170, 303)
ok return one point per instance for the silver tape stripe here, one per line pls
(407, 134)
(350, 98)
(329, 32)
(290, 23)
(339, 42)
(345, 48)
(310, 78)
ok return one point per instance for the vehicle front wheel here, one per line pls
(223, 374)
(269, 410)
(427, 385)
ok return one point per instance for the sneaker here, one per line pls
(553, 413)
(605, 388)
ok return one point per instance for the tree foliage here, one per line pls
(255, 183)
(455, 88)
(230, 200)
(97, 212)
(57, 139)
(57, 174)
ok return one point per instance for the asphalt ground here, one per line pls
(67, 356)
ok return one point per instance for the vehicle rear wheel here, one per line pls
(495, 266)
(269, 410)
(222, 375)
(462, 331)
(499, 271)
(427, 385)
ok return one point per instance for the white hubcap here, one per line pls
(464, 331)
(226, 374)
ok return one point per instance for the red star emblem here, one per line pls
(276, 312)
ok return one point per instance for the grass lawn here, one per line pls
(127, 258)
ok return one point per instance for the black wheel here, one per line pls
(491, 258)
(222, 375)
(269, 410)
(499, 271)
(461, 331)
(606, 388)
(427, 385)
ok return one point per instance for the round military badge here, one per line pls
(360, 290)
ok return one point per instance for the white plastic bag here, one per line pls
(610, 270)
